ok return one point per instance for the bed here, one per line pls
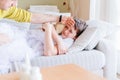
(15, 50)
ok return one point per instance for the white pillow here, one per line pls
(94, 40)
(105, 28)
(86, 38)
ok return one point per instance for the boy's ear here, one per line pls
(59, 27)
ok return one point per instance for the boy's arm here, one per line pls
(61, 49)
(49, 48)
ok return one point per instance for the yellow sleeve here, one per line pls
(17, 14)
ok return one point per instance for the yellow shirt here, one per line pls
(17, 14)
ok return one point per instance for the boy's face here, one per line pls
(6, 4)
(69, 32)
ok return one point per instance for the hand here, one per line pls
(68, 21)
(47, 26)
(61, 49)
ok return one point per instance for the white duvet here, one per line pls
(17, 48)
(22, 42)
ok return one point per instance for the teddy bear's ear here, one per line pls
(59, 27)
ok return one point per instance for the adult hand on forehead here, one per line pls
(68, 21)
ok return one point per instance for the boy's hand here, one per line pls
(61, 48)
(47, 26)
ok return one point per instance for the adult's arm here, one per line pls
(22, 15)
(43, 18)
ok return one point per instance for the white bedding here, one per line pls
(19, 45)
(17, 48)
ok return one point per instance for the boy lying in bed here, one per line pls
(40, 42)
(47, 43)
(50, 43)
